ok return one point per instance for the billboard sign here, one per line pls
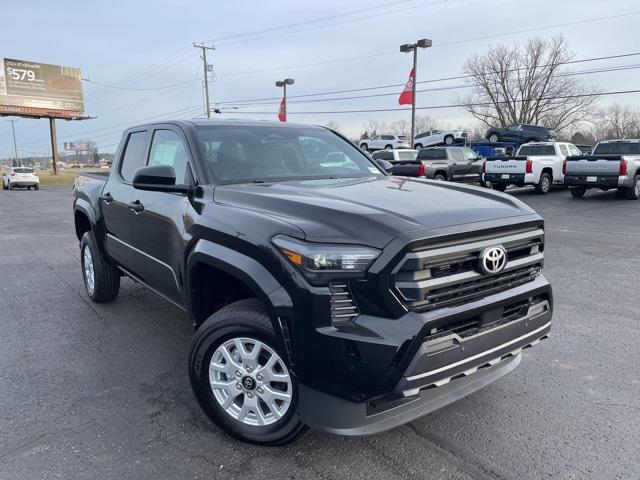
(76, 146)
(40, 89)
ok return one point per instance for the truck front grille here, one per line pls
(447, 274)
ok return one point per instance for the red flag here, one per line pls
(406, 97)
(282, 112)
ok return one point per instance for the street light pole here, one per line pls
(283, 84)
(15, 145)
(413, 47)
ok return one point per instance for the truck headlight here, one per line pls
(320, 262)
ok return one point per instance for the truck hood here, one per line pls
(370, 211)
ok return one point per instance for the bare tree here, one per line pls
(332, 125)
(403, 127)
(526, 84)
(616, 121)
(372, 127)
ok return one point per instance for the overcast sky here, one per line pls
(147, 45)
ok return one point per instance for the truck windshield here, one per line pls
(237, 154)
(536, 150)
(622, 148)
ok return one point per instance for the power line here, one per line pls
(138, 89)
(457, 42)
(395, 85)
(307, 22)
(253, 39)
(433, 107)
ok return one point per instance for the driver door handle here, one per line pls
(106, 198)
(136, 206)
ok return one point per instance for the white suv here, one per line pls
(384, 142)
(20, 177)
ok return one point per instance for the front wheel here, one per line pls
(241, 378)
(448, 140)
(388, 147)
(493, 138)
(364, 147)
(417, 147)
(101, 279)
(544, 184)
(633, 192)
(577, 192)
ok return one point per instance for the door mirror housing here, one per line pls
(384, 165)
(158, 178)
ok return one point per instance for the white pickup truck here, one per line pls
(536, 163)
(613, 164)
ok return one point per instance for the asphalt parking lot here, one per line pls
(101, 391)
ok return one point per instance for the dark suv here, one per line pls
(520, 133)
(324, 292)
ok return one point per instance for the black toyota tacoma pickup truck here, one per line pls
(324, 293)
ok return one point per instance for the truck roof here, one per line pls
(621, 140)
(207, 122)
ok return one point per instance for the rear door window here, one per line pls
(133, 156)
(622, 148)
(564, 150)
(432, 154)
(457, 156)
(537, 150)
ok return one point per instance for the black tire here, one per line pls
(36, 186)
(448, 140)
(364, 147)
(493, 138)
(388, 147)
(501, 187)
(417, 146)
(106, 277)
(4, 186)
(28, 188)
(441, 177)
(249, 319)
(544, 184)
(633, 192)
(577, 192)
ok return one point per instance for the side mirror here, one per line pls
(384, 165)
(158, 178)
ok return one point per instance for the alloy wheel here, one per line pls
(250, 381)
(89, 275)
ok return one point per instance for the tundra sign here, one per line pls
(39, 89)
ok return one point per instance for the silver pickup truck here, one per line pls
(613, 164)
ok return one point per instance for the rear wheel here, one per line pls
(633, 192)
(448, 140)
(544, 184)
(577, 192)
(441, 177)
(388, 147)
(4, 185)
(101, 279)
(364, 147)
(493, 138)
(417, 146)
(36, 186)
(240, 377)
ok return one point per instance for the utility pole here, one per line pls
(413, 47)
(207, 69)
(15, 145)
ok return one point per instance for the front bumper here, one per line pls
(597, 181)
(427, 371)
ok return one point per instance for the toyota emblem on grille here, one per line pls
(493, 260)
